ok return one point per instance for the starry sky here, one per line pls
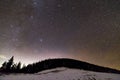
(87, 30)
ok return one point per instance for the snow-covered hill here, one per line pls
(62, 74)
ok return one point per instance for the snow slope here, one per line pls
(62, 74)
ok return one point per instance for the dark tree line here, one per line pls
(68, 63)
(11, 67)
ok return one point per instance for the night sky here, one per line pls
(87, 30)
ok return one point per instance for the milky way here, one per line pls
(87, 30)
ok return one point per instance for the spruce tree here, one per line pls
(10, 63)
(19, 66)
(4, 65)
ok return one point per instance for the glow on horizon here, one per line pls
(3, 57)
(24, 58)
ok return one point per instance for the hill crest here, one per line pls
(68, 63)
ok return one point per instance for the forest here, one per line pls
(11, 67)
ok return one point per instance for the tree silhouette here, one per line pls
(10, 63)
(4, 65)
(11, 67)
(18, 66)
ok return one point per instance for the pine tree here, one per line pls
(4, 65)
(10, 63)
(19, 66)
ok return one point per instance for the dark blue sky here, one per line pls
(87, 30)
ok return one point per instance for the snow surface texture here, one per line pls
(62, 74)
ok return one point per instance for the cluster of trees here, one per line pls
(53, 63)
(10, 66)
(64, 62)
